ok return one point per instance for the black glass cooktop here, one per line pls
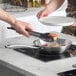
(43, 55)
(68, 73)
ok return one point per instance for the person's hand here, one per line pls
(43, 13)
(22, 27)
(74, 24)
(73, 53)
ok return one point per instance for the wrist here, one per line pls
(13, 22)
(47, 9)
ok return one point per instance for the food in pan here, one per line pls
(53, 44)
(61, 44)
(53, 35)
(40, 42)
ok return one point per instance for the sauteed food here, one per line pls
(60, 44)
(53, 35)
(57, 43)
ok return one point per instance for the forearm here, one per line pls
(54, 5)
(7, 17)
(20, 26)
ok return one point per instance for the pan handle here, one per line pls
(19, 46)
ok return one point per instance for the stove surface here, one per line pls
(68, 73)
(44, 56)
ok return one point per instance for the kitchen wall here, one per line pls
(0, 1)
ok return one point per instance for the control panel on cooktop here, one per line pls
(68, 73)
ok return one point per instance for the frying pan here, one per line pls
(60, 46)
(47, 50)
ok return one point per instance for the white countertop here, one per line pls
(26, 65)
(32, 67)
